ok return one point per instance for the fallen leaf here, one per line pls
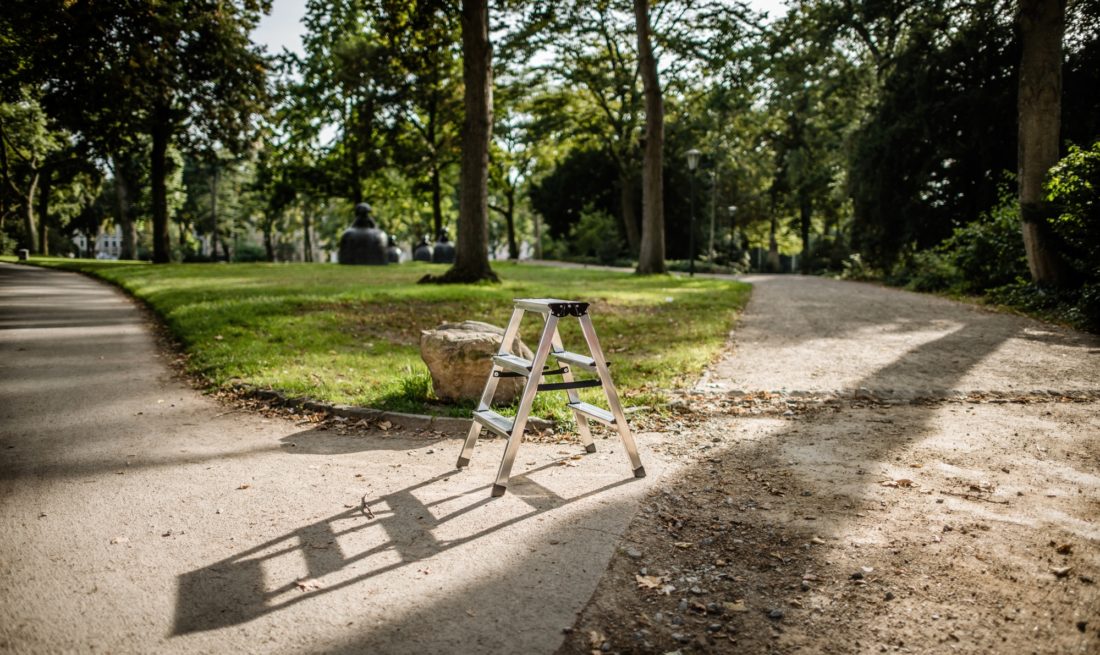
(683, 544)
(218, 337)
(385, 425)
(737, 606)
(120, 540)
(596, 638)
(1064, 549)
(1061, 571)
(305, 584)
(649, 581)
(244, 486)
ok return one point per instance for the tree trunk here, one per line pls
(1041, 24)
(651, 254)
(510, 221)
(773, 245)
(128, 247)
(472, 241)
(269, 243)
(629, 209)
(538, 236)
(160, 133)
(805, 210)
(29, 225)
(44, 212)
(214, 211)
(437, 203)
(307, 232)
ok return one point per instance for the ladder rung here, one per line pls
(554, 306)
(541, 305)
(513, 364)
(502, 425)
(593, 412)
(576, 359)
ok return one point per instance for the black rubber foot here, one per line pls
(590, 448)
(463, 462)
(639, 472)
(498, 490)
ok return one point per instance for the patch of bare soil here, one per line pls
(954, 526)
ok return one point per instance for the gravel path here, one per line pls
(819, 336)
(870, 471)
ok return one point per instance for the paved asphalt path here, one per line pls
(138, 516)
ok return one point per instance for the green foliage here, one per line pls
(1078, 307)
(942, 118)
(978, 256)
(989, 252)
(595, 235)
(249, 252)
(7, 244)
(1074, 186)
(350, 334)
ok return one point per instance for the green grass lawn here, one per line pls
(350, 335)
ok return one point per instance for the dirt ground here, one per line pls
(939, 492)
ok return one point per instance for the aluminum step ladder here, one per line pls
(509, 364)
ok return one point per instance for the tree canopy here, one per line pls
(844, 135)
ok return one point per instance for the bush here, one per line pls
(925, 270)
(1074, 186)
(596, 235)
(983, 255)
(249, 252)
(989, 252)
(7, 244)
(1077, 307)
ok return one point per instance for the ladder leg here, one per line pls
(524, 410)
(490, 388)
(468, 445)
(574, 397)
(612, 395)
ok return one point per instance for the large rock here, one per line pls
(457, 354)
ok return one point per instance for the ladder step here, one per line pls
(502, 425)
(554, 306)
(513, 364)
(583, 362)
(593, 412)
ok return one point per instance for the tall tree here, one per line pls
(26, 141)
(472, 247)
(1041, 24)
(176, 70)
(651, 256)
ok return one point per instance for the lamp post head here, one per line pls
(693, 158)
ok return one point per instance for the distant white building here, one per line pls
(106, 245)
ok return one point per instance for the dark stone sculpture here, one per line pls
(363, 242)
(444, 251)
(393, 252)
(422, 252)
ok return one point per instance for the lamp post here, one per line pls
(693, 163)
(734, 245)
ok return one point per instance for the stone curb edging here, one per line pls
(446, 424)
(905, 396)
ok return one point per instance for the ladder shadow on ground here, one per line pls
(234, 590)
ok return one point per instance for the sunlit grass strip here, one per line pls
(351, 334)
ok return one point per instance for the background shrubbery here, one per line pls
(987, 256)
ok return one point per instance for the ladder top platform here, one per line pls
(554, 306)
